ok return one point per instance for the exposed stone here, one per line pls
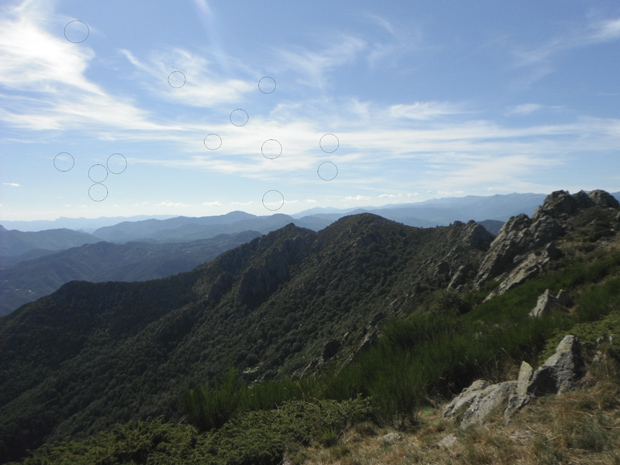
(390, 438)
(520, 398)
(603, 199)
(479, 400)
(525, 375)
(561, 371)
(477, 236)
(512, 246)
(547, 303)
(461, 275)
(448, 442)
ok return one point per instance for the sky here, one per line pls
(202, 107)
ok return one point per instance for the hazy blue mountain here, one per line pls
(183, 229)
(13, 242)
(78, 224)
(103, 261)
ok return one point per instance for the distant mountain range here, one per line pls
(14, 243)
(87, 225)
(440, 212)
(103, 261)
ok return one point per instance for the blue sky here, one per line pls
(374, 103)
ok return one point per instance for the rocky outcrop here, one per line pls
(478, 400)
(561, 204)
(560, 373)
(514, 244)
(510, 255)
(548, 303)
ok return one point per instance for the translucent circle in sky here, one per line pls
(327, 171)
(98, 173)
(76, 31)
(271, 149)
(273, 200)
(239, 117)
(64, 161)
(267, 85)
(213, 141)
(176, 79)
(329, 143)
(98, 192)
(117, 163)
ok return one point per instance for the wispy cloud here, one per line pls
(33, 60)
(524, 109)
(12, 184)
(425, 110)
(357, 198)
(312, 67)
(542, 57)
(215, 203)
(202, 87)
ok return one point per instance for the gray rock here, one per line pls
(520, 398)
(448, 442)
(465, 398)
(478, 401)
(561, 371)
(525, 375)
(603, 199)
(547, 303)
(390, 438)
(461, 275)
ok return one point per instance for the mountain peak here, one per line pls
(562, 203)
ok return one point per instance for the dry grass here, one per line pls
(580, 427)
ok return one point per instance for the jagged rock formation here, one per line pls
(547, 303)
(515, 256)
(559, 373)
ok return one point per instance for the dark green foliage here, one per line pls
(32, 279)
(209, 407)
(252, 438)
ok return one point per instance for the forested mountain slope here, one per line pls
(293, 301)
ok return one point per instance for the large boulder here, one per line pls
(478, 400)
(561, 371)
(547, 303)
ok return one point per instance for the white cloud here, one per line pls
(244, 204)
(424, 110)
(311, 201)
(168, 203)
(542, 57)
(12, 184)
(35, 60)
(357, 198)
(524, 109)
(606, 30)
(202, 87)
(312, 67)
(215, 203)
